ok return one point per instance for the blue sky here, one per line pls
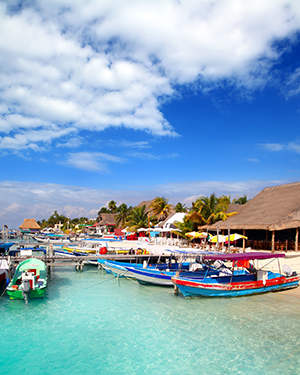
(103, 100)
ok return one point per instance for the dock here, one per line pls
(80, 261)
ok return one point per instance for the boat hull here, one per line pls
(33, 273)
(155, 277)
(213, 288)
(17, 294)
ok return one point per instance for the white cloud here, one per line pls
(19, 200)
(99, 64)
(290, 146)
(273, 146)
(91, 161)
(293, 146)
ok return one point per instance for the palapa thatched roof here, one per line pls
(147, 205)
(29, 224)
(107, 219)
(274, 208)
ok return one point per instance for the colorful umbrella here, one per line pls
(215, 239)
(235, 236)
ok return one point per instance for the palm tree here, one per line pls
(112, 205)
(240, 200)
(161, 208)
(208, 210)
(104, 210)
(123, 213)
(184, 227)
(180, 207)
(137, 218)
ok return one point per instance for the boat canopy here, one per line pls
(243, 256)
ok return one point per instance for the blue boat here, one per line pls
(246, 281)
(4, 246)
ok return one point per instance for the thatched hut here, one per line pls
(275, 210)
(29, 225)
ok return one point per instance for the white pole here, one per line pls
(228, 238)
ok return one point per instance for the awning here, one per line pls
(243, 256)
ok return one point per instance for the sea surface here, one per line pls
(91, 323)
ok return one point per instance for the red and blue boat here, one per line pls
(245, 279)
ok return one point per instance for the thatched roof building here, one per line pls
(107, 219)
(147, 205)
(29, 224)
(274, 208)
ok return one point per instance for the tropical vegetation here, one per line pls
(205, 210)
(161, 208)
(208, 210)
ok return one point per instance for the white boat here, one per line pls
(52, 240)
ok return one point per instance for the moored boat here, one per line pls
(29, 280)
(244, 280)
(4, 268)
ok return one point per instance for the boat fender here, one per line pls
(7, 281)
(103, 250)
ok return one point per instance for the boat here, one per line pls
(245, 279)
(116, 268)
(29, 280)
(54, 240)
(27, 251)
(4, 246)
(102, 247)
(4, 269)
(162, 274)
(64, 250)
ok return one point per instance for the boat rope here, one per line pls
(102, 282)
(135, 281)
(286, 357)
(3, 292)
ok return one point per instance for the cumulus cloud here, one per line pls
(272, 146)
(76, 201)
(91, 161)
(275, 147)
(97, 64)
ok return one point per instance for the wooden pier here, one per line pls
(80, 261)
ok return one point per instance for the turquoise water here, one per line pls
(89, 322)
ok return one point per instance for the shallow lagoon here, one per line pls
(90, 322)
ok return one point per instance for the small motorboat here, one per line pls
(29, 280)
(245, 279)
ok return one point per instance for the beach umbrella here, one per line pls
(203, 235)
(235, 236)
(197, 234)
(191, 234)
(215, 239)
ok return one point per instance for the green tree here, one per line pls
(208, 210)
(122, 215)
(180, 207)
(55, 218)
(161, 208)
(112, 205)
(184, 227)
(103, 210)
(240, 200)
(137, 218)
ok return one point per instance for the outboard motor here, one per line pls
(25, 290)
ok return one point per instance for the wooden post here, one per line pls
(244, 241)
(228, 238)
(273, 240)
(218, 238)
(296, 239)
